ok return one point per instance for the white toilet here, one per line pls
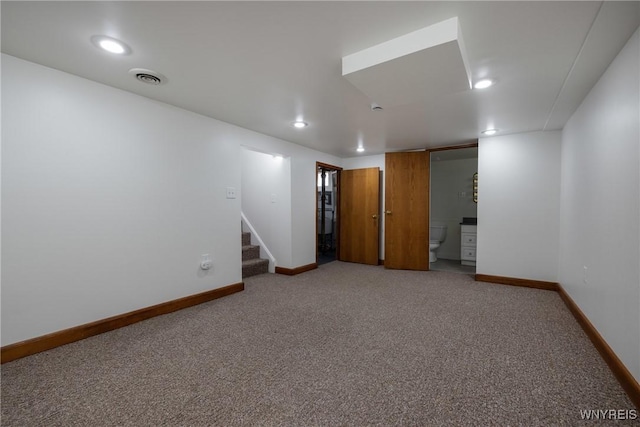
(437, 234)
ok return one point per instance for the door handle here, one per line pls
(387, 212)
(374, 216)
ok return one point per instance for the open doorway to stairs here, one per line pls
(327, 202)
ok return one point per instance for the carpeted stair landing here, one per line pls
(252, 264)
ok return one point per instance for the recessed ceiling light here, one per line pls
(111, 45)
(483, 84)
(299, 124)
(360, 149)
(489, 132)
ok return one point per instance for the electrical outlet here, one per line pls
(231, 192)
(205, 262)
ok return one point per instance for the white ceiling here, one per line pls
(261, 65)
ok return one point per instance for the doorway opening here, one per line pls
(453, 207)
(327, 215)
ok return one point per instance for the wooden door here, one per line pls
(360, 215)
(407, 210)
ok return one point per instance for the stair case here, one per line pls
(252, 264)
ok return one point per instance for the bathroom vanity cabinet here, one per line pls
(468, 235)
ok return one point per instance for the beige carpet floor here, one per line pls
(343, 345)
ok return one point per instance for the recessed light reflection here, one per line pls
(299, 124)
(111, 45)
(483, 84)
(489, 132)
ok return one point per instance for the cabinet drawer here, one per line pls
(469, 254)
(469, 240)
(469, 229)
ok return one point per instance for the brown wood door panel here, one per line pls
(360, 215)
(407, 210)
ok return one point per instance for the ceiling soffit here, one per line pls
(415, 68)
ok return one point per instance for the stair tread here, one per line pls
(255, 261)
(252, 264)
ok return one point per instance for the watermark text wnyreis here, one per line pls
(608, 414)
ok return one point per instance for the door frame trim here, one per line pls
(327, 166)
(454, 147)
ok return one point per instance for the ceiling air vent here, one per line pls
(147, 76)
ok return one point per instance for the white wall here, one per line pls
(109, 199)
(518, 206)
(448, 179)
(104, 213)
(266, 201)
(363, 162)
(600, 209)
